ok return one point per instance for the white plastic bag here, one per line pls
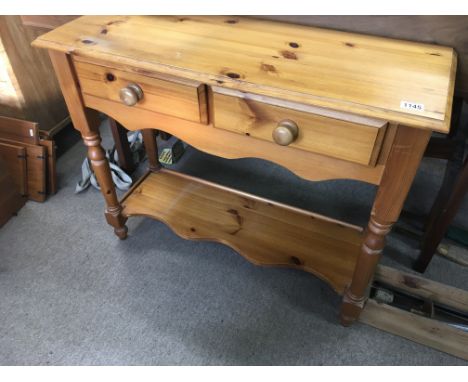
(120, 178)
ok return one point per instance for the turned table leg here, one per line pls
(87, 123)
(402, 164)
(122, 146)
(151, 147)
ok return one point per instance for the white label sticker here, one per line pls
(411, 106)
(31, 132)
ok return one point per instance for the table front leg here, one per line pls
(151, 147)
(402, 164)
(87, 123)
(100, 164)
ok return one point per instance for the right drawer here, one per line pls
(349, 137)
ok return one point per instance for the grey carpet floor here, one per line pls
(73, 294)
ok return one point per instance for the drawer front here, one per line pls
(349, 137)
(162, 94)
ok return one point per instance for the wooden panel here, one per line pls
(343, 71)
(46, 21)
(441, 30)
(427, 289)
(51, 173)
(173, 96)
(14, 157)
(36, 163)
(36, 160)
(11, 97)
(263, 231)
(351, 138)
(34, 88)
(19, 130)
(231, 145)
(10, 198)
(416, 328)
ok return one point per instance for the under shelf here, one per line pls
(263, 231)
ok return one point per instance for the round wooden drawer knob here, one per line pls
(286, 132)
(131, 94)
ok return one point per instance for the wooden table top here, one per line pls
(367, 75)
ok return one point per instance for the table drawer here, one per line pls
(159, 93)
(339, 135)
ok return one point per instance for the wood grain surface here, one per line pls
(447, 30)
(432, 333)
(350, 72)
(10, 198)
(340, 138)
(402, 163)
(36, 162)
(51, 173)
(444, 30)
(19, 130)
(34, 88)
(87, 122)
(424, 288)
(173, 96)
(231, 145)
(263, 231)
(402, 89)
(14, 158)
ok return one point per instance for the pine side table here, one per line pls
(322, 103)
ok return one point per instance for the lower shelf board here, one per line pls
(263, 231)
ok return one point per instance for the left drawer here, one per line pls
(159, 93)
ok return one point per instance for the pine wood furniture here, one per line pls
(41, 24)
(322, 103)
(29, 158)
